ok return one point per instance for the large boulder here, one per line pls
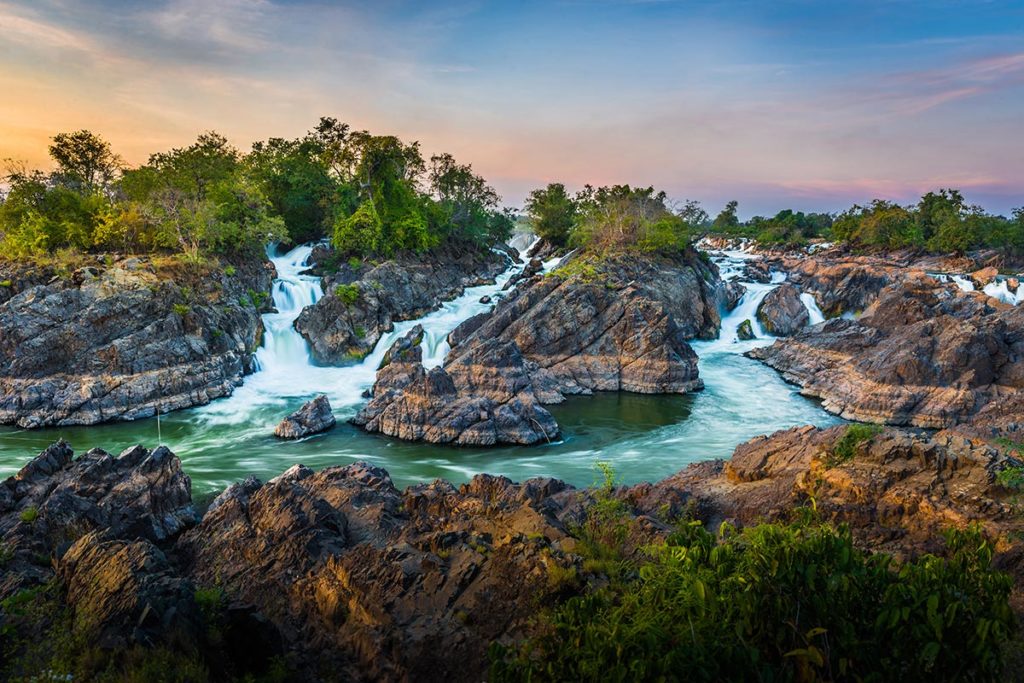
(782, 313)
(126, 340)
(312, 418)
(485, 398)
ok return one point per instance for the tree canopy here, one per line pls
(370, 194)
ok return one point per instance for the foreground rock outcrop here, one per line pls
(360, 305)
(339, 572)
(122, 339)
(923, 354)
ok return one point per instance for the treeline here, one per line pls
(372, 195)
(615, 218)
(941, 222)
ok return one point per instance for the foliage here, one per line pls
(372, 194)
(29, 514)
(846, 447)
(777, 602)
(349, 294)
(621, 217)
(552, 213)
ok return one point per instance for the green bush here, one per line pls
(349, 294)
(846, 447)
(777, 602)
(29, 514)
(181, 309)
(229, 270)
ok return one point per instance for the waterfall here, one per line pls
(814, 313)
(285, 368)
(999, 289)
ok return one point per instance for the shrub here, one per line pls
(229, 270)
(29, 514)
(777, 602)
(181, 309)
(349, 294)
(846, 447)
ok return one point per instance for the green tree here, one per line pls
(727, 221)
(552, 213)
(85, 161)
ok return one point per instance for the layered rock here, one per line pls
(312, 418)
(360, 306)
(782, 313)
(485, 398)
(923, 354)
(121, 341)
(898, 490)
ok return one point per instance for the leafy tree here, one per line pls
(85, 161)
(552, 213)
(727, 221)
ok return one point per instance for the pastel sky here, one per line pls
(811, 105)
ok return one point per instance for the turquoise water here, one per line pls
(644, 437)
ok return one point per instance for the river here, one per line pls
(644, 437)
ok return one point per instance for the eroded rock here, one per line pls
(312, 418)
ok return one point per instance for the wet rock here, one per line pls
(466, 328)
(781, 312)
(757, 271)
(982, 277)
(923, 354)
(485, 299)
(312, 418)
(406, 349)
(349, 320)
(121, 341)
(734, 292)
(745, 331)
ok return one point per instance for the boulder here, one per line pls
(781, 312)
(734, 291)
(982, 277)
(745, 331)
(312, 418)
(405, 349)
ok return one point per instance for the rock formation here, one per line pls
(923, 354)
(312, 418)
(781, 312)
(124, 340)
(360, 307)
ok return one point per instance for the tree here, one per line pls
(727, 221)
(84, 161)
(552, 212)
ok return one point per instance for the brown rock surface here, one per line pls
(923, 354)
(781, 312)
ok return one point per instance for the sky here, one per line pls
(777, 104)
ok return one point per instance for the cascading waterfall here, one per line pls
(286, 369)
(813, 311)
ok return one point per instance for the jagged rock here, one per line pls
(485, 299)
(757, 271)
(923, 354)
(466, 328)
(120, 341)
(1012, 284)
(745, 331)
(734, 291)
(483, 399)
(982, 277)
(406, 349)
(125, 593)
(385, 585)
(339, 329)
(55, 499)
(781, 312)
(312, 418)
